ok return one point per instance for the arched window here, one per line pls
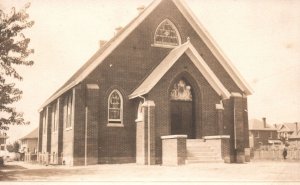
(167, 34)
(115, 109)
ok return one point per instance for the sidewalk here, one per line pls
(262, 171)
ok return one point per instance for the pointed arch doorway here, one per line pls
(182, 109)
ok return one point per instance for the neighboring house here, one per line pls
(262, 134)
(3, 138)
(289, 132)
(162, 71)
(29, 142)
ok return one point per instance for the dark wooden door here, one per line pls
(182, 118)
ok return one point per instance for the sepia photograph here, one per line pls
(150, 91)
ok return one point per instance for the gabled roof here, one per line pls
(104, 52)
(255, 124)
(170, 60)
(213, 46)
(290, 127)
(32, 135)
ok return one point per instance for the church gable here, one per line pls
(140, 46)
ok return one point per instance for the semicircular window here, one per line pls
(167, 34)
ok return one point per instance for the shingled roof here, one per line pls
(256, 124)
(32, 135)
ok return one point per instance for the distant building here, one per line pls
(289, 132)
(3, 138)
(29, 142)
(262, 134)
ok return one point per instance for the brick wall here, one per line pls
(204, 97)
(264, 136)
(125, 69)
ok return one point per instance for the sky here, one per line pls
(261, 38)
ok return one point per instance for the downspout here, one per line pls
(148, 130)
(85, 129)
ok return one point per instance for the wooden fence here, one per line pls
(292, 154)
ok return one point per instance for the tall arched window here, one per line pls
(115, 109)
(167, 34)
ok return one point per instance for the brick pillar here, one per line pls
(225, 148)
(246, 129)
(49, 128)
(140, 142)
(60, 131)
(219, 118)
(238, 121)
(91, 124)
(40, 136)
(78, 119)
(145, 135)
(174, 150)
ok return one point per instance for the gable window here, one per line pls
(115, 109)
(167, 34)
(68, 111)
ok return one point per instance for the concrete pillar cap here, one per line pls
(219, 107)
(173, 136)
(236, 94)
(148, 103)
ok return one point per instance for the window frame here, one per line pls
(271, 134)
(256, 134)
(166, 45)
(54, 115)
(45, 122)
(68, 111)
(115, 122)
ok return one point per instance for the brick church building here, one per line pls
(161, 75)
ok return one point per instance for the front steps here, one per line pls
(199, 151)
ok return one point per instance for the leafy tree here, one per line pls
(13, 147)
(14, 52)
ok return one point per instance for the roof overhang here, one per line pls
(170, 60)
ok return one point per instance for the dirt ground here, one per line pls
(259, 171)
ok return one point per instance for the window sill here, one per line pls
(163, 46)
(69, 128)
(115, 125)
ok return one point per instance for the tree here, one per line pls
(13, 147)
(14, 52)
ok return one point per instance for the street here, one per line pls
(259, 171)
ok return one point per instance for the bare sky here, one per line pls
(262, 39)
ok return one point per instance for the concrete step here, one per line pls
(203, 161)
(208, 149)
(205, 158)
(194, 140)
(199, 151)
(195, 154)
